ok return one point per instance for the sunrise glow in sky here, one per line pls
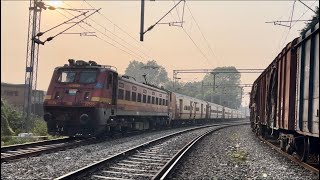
(235, 31)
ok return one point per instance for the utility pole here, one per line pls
(31, 60)
(202, 89)
(142, 21)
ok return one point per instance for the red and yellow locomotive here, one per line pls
(85, 98)
(88, 99)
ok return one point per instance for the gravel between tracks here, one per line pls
(49, 166)
(165, 147)
(235, 153)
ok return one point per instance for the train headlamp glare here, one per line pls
(57, 95)
(86, 95)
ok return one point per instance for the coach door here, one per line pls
(191, 107)
(201, 110)
(180, 107)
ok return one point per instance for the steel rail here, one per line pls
(36, 143)
(168, 168)
(102, 163)
(33, 149)
(292, 158)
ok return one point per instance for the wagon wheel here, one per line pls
(302, 148)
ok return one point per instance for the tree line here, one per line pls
(226, 91)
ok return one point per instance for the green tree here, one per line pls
(227, 92)
(6, 130)
(12, 119)
(312, 23)
(154, 73)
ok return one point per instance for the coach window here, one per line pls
(127, 95)
(139, 97)
(134, 96)
(149, 99)
(120, 94)
(152, 100)
(144, 98)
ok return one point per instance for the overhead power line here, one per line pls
(105, 41)
(296, 22)
(137, 55)
(121, 29)
(152, 26)
(195, 44)
(307, 6)
(201, 32)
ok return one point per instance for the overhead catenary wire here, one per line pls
(52, 37)
(296, 22)
(65, 22)
(287, 35)
(174, 3)
(209, 47)
(292, 12)
(152, 26)
(195, 44)
(121, 29)
(100, 37)
(103, 33)
(308, 7)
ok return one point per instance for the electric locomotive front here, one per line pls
(80, 99)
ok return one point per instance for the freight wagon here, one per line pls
(284, 99)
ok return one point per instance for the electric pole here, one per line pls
(31, 60)
(142, 21)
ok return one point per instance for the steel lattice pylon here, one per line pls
(31, 62)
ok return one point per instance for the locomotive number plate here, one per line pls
(73, 91)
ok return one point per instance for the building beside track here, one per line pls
(14, 95)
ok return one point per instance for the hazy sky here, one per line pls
(235, 30)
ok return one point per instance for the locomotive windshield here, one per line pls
(67, 76)
(74, 76)
(88, 76)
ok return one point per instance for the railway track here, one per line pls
(311, 167)
(152, 160)
(35, 148)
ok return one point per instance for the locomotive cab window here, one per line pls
(67, 76)
(88, 77)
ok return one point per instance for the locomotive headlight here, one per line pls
(47, 116)
(86, 96)
(57, 95)
(84, 118)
